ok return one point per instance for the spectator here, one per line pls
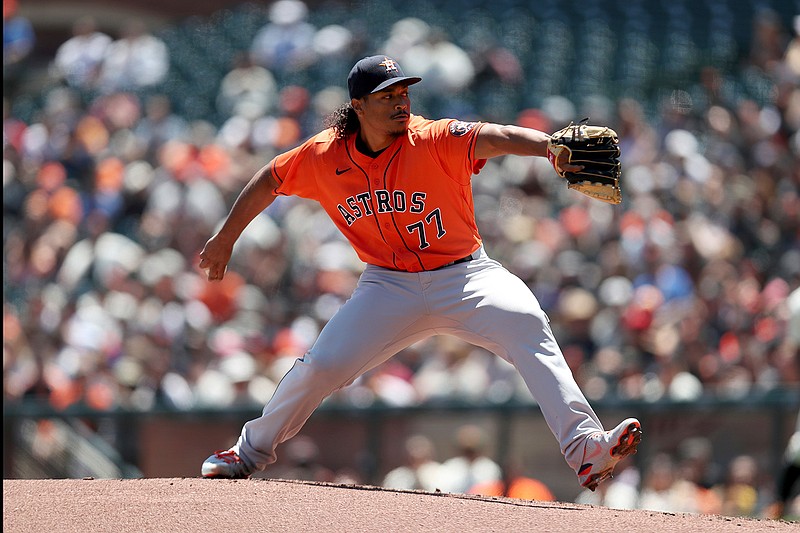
(470, 466)
(248, 91)
(792, 54)
(420, 471)
(137, 60)
(79, 58)
(18, 41)
(769, 40)
(659, 492)
(438, 59)
(740, 491)
(699, 473)
(285, 44)
(335, 47)
(295, 109)
(493, 63)
(405, 34)
(159, 125)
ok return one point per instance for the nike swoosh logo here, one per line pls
(340, 172)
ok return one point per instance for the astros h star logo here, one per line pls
(389, 64)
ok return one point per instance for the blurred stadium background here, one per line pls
(130, 127)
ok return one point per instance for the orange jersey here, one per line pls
(408, 209)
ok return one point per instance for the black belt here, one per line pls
(456, 262)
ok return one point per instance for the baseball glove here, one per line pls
(596, 149)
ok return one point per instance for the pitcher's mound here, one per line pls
(261, 505)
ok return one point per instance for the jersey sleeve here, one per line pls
(294, 171)
(455, 146)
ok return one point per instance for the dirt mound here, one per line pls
(261, 505)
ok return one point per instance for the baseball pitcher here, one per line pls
(398, 186)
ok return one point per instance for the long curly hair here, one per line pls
(344, 121)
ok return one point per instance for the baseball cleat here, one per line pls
(604, 450)
(225, 464)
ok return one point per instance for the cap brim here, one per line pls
(409, 80)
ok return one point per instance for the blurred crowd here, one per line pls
(691, 479)
(690, 288)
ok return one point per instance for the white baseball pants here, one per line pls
(478, 301)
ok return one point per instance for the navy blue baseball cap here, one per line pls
(375, 73)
